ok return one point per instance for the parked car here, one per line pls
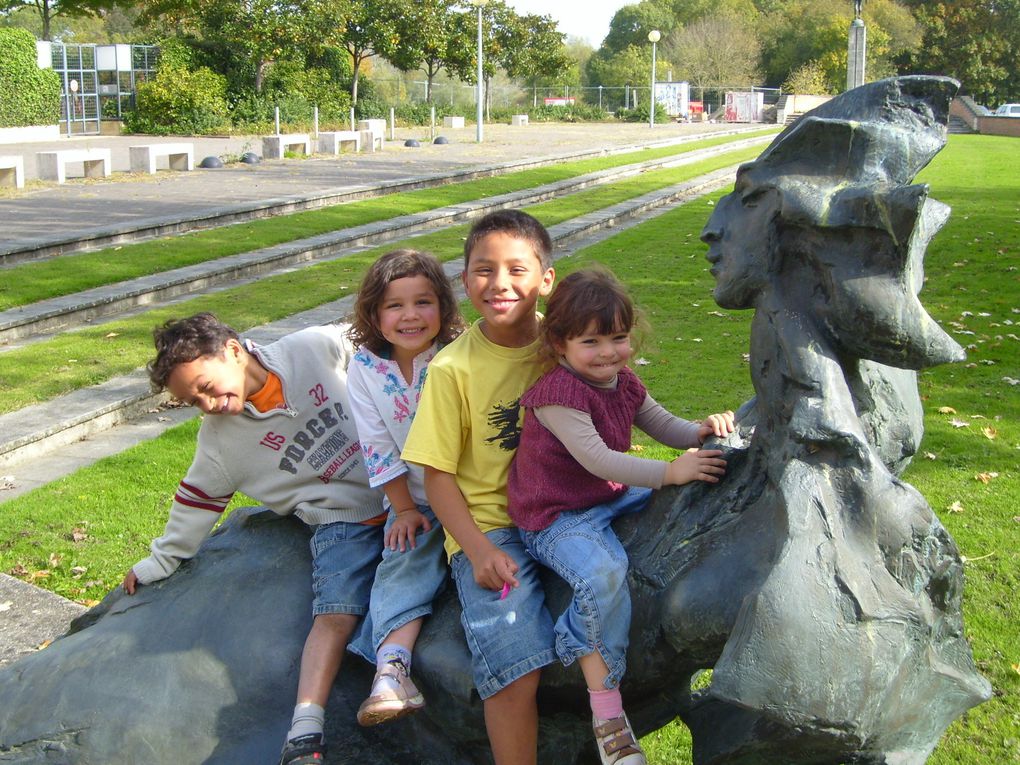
(1008, 110)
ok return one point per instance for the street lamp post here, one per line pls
(653, 37)
(478, 4)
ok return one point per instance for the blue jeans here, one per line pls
(508, 638)
(583, 549)
(344, 557)
(406, 583)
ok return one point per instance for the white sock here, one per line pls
(390, 652)
(308, 718)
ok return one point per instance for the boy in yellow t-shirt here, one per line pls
(465, 434)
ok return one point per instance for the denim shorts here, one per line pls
(344, 558)
(584, 550)
(406, 583)
(508, 638)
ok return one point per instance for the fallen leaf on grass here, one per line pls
(54, 560)
(78, 534)
(18, 570)
(956, 507)
(77, 571)
(637, 448)
(42, 574)
(946, 410)
(959, 423)
(1016, 668)
(965, 559)
(986, 477)
(642, 362)
(931, 456)
(990, 433)
(111, 334)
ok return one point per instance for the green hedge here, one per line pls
(28, 95)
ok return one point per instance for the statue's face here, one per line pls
(740, 238)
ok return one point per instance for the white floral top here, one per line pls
(383, 404)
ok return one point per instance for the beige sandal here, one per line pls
(388, 703)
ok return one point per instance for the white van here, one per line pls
(1008, 110)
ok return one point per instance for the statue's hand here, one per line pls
(695, 465)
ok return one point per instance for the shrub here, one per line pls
(180, 101)
(641, 114)
(28, 95)
(420, 112)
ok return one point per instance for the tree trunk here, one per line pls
(46, 14)
(355, 70)
(260, 74)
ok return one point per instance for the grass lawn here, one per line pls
(65, 275)
(79, 535)
(43, 370)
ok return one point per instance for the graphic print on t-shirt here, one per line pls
(505, 420)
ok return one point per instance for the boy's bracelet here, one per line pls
(406, 510)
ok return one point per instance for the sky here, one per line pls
(580, 18)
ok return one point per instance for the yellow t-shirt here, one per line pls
(469, 421)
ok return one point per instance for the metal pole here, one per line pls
(276, 118)
(393, 123)
(651, 101)
(478, 134)
(315, 121)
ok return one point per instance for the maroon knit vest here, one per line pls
(545, 480)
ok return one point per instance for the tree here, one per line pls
(978, 43)
(531, 47)
(632, 23)
(48, 10)
(802, 31)
(253, 32)
(366, 28)
(715, 51)
(424, 32)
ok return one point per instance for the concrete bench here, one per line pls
(274, 146)
(12, 170)
(180, 156)
(376, 126)
(332, 143)
(453, 122)
(53, 164)
(519, 120)
(370, 140)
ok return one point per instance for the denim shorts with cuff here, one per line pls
(406, 583)
(344, 559)
(507, 638)
(582, 548)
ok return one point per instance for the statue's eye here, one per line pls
(752, 197)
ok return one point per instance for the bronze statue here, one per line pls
(819, 589)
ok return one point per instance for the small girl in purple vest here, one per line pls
(572, 476)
